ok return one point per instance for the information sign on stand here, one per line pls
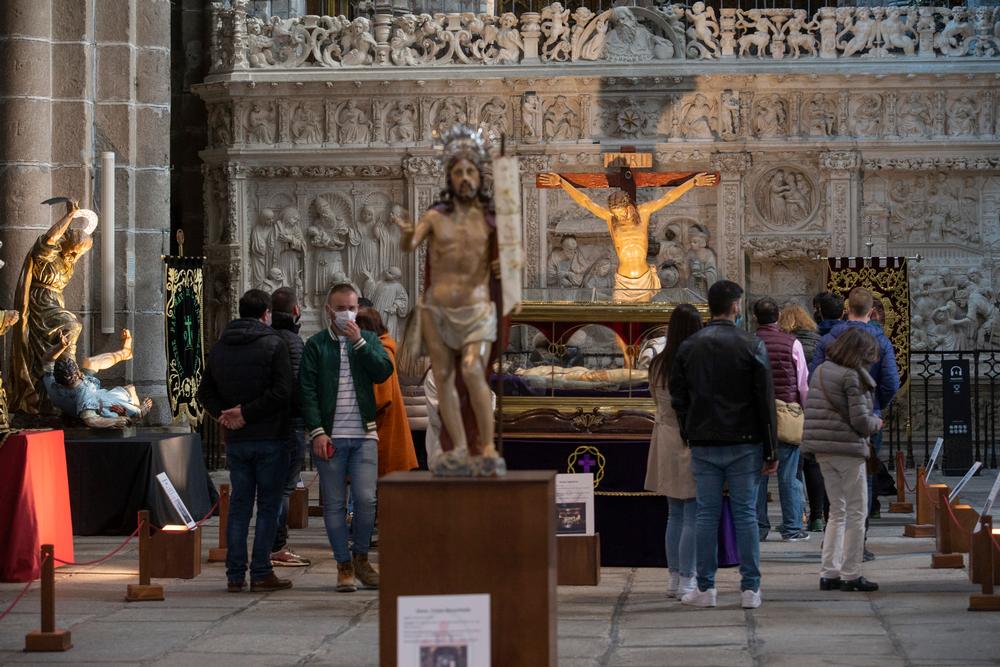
(953, 496)
(575, 504)
(176, 500)
(932, 461)
(443, 630)
(957, 409)
(990, 499)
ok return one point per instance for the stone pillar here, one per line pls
(424, 177)
(841, 171)
(81, 78)
(730, 211)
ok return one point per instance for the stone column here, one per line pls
(730, 211)
(533, 215)
(841, 171)
(424, 177)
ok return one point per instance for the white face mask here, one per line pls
(342, 316)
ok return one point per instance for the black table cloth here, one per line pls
(112, 478)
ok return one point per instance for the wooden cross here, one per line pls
(626, 178)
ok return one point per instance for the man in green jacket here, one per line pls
(339, 367)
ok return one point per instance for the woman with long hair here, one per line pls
(839, 421)
(796, 321)
(668, 468)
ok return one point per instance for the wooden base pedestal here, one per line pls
(579, 560)
(315, 510)
(175, 554)
(459, 536)
(47, 642)
(979, 602)
(217, 554)
(918, 530)
(901, 508)
(947, 561)
(144, 593)
(298, 508)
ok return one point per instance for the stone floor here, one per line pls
(919, 616)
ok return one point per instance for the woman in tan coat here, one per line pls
(839, 420)
(668, 468)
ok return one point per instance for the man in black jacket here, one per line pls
(247, 386)
(722, 391)
(285, 314)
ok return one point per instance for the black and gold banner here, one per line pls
(886, 278)
(183, 317)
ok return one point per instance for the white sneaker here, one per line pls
(672, 584)
(686, 585)
(750, 599)
(698, 598)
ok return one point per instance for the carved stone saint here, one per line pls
(260, 124)
(387, 231)
(275, 279)
(963, 117)
(306, 126)
(401, 121)
(696, 118)
(820, 116)
(355, 125)
(493, 118)
(530, 107)
(769, 121)
(327, 238)
(262, 238)
(450, 113)
(913, 116)
(389, 298)
(566, 266)
(730, 114)
(366, 253)
(220, 130)
(291, 247)
(702, 266)
(561, 122)
(867, 116)
(630, 42)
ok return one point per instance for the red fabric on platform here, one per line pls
(34, 503)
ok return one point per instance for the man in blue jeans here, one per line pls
(247, 386)
(790, 374)
(722, 391)
(339, 367)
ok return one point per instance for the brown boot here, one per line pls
(345, 578)
(366, 573)
(269, 583)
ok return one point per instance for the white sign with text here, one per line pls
(953, 496)
(990, 499)
(176, 500)
(575, 504)
(932, 461)
(451, 630)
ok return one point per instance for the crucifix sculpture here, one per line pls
(628, 221)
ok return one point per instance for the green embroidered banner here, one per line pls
(183, 317)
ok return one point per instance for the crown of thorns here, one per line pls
(464, 141)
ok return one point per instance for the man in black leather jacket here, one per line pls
(248, 386)
(723, 393)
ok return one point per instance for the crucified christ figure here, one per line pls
(635, 279)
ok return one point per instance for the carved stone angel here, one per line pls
(696, 118)
(703, 32)
(508, 41)
(555, 27)
(404, 36)
(355, 125)
(357, 43)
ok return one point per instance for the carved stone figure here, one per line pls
(820, 116)
(44, 319)
(760, 38)
(291, 247)
(450, 113)
(530, 107)
(897, 31)
(262, 247)
(260, 124)
(508, 41)
(862, 30)
(275, 279)
(730, 114)
(797, 33)
(493, 118)
(458, 319)
(947, 332)
(963, 116)
(702, 266)
(357, 44)
(981, 312)
(389, 298)
(913, 116)
(566, 265)
(402, 120)
(786, 198)
(771, 117)
(867, 116)
(327, 238)
(305, 125)
(561, 122)
(404, 36)
(387, 232)
(259, 46)
(628, 224)
(365, 260)
(673, 254)
(80, 394)
(220, 128)
(355, 125)
(555, 27)
(598, 276)
(696, 118)
(630, 42)
(703, 31)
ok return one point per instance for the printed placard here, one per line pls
(575, 504)
(932, 461)
(433, 630)
(990, 499)
(175, 500)
(965, 480)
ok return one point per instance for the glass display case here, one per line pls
(577, 360)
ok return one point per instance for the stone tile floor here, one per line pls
(918, 618)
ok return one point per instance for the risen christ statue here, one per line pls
(635, 278)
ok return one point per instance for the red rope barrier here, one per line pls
(210, 512)
(102, 558)
(24, 591)
(906, 483)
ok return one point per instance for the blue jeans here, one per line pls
(681, 535)
(296, 451)
(356, 458)
(791, 493)
(257, 470)
(738, 466)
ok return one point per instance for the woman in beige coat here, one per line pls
(839, 419)
(668, 468)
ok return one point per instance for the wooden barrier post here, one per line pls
(945, 538)
(48, 638)
(218, 555)
(144, 591)
(926, 500)
(901, 506)
(298, 508)
(984, 557)
(317, 510)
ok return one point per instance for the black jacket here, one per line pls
(250, 367)
(287, 328)
(722, 391)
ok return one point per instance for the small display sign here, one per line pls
(435, 630)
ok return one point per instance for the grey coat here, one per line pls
(668, 466)
(839, 413)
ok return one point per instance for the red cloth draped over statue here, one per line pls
(34, 503)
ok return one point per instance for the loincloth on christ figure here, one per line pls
(460, 326)
(636, 290)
